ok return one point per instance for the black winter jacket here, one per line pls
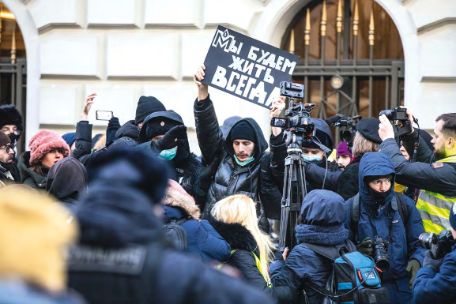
(228, 178)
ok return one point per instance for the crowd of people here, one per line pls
(134, 216)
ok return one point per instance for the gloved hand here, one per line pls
(113, 126)
(169, 140)
(366, 247)
(429, 261)
(412, 268)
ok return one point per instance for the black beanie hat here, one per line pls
(9, 115)
(4, 139)
(243, 130)
(368, 127)
(158, 123)
(146, 106)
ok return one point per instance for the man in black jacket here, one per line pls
(120, 257)
(235, 161)
(6, 160)
(437, 179)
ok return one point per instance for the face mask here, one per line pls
(311, 158)
(380, 196)
(13, 138)
(168, 154)
(245, 162)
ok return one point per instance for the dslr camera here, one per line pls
(439, 245)
(346, 125)
(297, 116)
(399, 119)
(381, 253)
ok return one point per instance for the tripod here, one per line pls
(294, 190)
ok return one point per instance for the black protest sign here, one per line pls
(247, 68)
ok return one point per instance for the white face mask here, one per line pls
(311, 158)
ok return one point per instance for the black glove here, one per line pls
(111, 130)
(429, 261)
(170, 139)
(366, 247)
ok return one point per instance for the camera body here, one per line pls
(399, 119)
(346, 125)
(381, 253)
(439, 245)
(292, 90)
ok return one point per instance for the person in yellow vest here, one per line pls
(437, 179)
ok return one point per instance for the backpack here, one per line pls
(397, 204)
(353, 279)
(175, 235)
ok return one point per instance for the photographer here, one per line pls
(436, 281)
(437, 179)
(314, 152)
(386, 225)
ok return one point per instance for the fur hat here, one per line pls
(9, 115)
(147, 105)
(176, 196)
(43, 142)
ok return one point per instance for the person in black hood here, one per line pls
(67, 180)
(120, 257)
(235, 161)
(166, 133)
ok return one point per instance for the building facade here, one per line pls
(122, 49)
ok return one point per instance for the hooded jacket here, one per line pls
(66, 180)
(379, 218)
(322, 215)
(228, 177)
(118, 224)
(28, 176)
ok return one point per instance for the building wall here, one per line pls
(122, 49)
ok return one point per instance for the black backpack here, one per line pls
(175, 235)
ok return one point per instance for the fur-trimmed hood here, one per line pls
(236, 235)
(181, 199)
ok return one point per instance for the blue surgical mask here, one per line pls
(311, 158)
(245, 162)
(168, 154)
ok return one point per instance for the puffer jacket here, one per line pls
(384, 220)
(28, 176)
(323, 215)
(228, 178)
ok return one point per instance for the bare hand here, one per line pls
(277, 107)
(203, 90)
(385, 129)
(88, 105)
(285, 253)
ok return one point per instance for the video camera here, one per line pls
(346, 125)
(297, 116)
(399, 119)
(439, 245)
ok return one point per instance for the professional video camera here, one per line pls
(346, 125)
(381, 253)
(399, 119)
(439, 245)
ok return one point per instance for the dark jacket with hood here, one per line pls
(243, 246)
(67, 180)
(228, 177)
(186, 164)
(120, 257)
(323, 215)
(28, 176)
(380, 217)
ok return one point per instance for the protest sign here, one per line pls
(247, 68)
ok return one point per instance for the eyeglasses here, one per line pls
(6, 147)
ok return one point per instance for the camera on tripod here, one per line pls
(439, 245)
(399, 119)
(297, 115)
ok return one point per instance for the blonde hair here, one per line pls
(240, 209)
(362, 145)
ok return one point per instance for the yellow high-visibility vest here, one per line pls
(434, 208)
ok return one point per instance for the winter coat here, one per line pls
(228, 178)
(243, 246)
(120, 258)
(439, 178)
(28, 176)
(381, 218)
(433, 286)
(323, 216)
(203, 240)
(17, 292)
(66, 180)
(347, 184)
(8, 174)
